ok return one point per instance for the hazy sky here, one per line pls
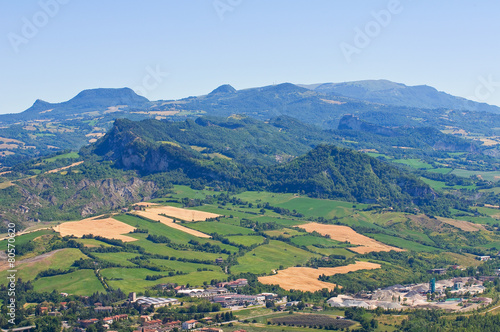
(53, 49)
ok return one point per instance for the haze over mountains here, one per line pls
(47, 127)
(398, 94)
(374, 91)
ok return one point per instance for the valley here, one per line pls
(245, 217)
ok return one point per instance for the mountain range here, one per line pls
(398, 94)
(46, 127)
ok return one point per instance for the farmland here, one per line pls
(97, 226)
(306, 278)
(82, 282)
(155, 214)
(25, 238)
(182, 214)
(58, 259)
(242, 235)
(219, 228)
(268, 257)
(346, 234)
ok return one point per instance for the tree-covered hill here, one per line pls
(325, 171)
(332, 172)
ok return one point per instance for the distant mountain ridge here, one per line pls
(46, 127)
(86, 101)
(398, 94)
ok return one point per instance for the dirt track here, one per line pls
(4, 265)
(306, 278)
(65, 167)
(344, 233)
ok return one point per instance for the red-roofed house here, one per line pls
(87, 322)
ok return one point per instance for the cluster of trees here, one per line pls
(158, 238)
(358, 314)
(330, 261)
(435, 320)
(259, 226)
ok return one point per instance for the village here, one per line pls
(452, 295)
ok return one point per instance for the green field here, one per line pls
(311, 207)
(156, 228)
(185, 191)
(209, 227)
(269, 257)
(134, 280)
(485, 220)
(81, 282)
(309, 240)
(60, 260)
(120, 258)
(488, 176)
(130, 280)
(25, 238)
(70, 155)
(285, 232)
(162, 249)
(439, 185)
(495, 190)
(195, 279)
(263, 196)
(246, 240)
(402, 243)
(184, 266)
(332, 251)
(93, 243)
(227, 211)
(279, 220)
(376, 155)
(414, 163)
(441, 170)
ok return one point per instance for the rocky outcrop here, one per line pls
(351, 122)
(74, 198)
(110, 194)
(455, 147)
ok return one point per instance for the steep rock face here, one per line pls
(351, 122)
(82, 198)
(454, 147)
(113, 194)
(130, 150)
(495, 153)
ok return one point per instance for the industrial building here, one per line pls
(156, 302)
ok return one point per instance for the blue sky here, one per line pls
(52, 49)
